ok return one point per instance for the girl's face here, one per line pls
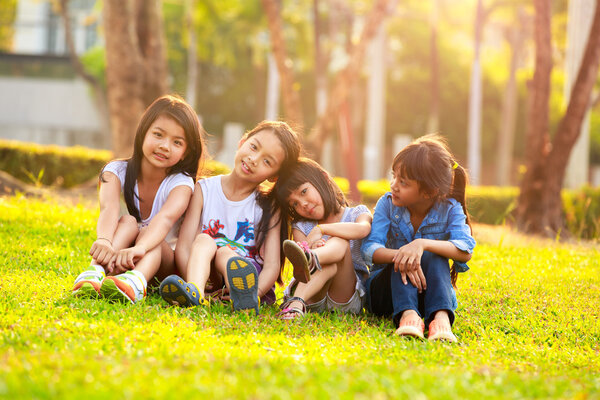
(405, 192)
(164, 144)
(307, 202)
(259, 157)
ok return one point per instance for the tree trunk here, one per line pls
(433, 124)
(539, 207)
(506, 136)
(136, 71)
(291, 97)
(530, 208)
(149, 27)
(569, 127)
(345, 79)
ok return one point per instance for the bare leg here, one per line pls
(337, 279)
(198, 268)
(223, 255)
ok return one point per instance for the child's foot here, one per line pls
(303, 259)
(290, 309)
(174, 290)
(88, 283)
(243, 284)
(411, 325)
(441, 330)
(123, 288)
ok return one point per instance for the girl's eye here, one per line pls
(252, 146)
(157, 134)
(179, 143)
(268, 162)
(303, 191)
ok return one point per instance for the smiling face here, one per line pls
(259, 157)
(164, 144)
(307, 202)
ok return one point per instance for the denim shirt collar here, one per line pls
(402, 214)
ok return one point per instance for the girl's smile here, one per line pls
(259, 157)
(164, 144)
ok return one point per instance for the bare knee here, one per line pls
(128, 221)
(206, 241)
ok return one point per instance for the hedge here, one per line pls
(63, 166)
(70, 166)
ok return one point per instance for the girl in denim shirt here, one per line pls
(417, 227)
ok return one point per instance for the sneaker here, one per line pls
(303, 259)
(411, 326)
(243, 284)
(87, 284)
(123, 288)
(174, 290)
(441, 331)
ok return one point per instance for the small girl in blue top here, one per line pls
(417, 227)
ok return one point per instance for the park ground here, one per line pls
(527, 323)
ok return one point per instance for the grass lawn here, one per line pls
(527, 323)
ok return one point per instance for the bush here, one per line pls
(64, 166)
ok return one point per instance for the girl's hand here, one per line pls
(407, 261)
(127, 258)
(102, 251)
(314, 235)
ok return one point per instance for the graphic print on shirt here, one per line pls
(245, 229)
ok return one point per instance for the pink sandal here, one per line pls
(411, 326)
(441, 331)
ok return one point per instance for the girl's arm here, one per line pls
(271, 265)
(189, 229)
(159, 227)
(102, 250)
(442, 248)
(344, 230)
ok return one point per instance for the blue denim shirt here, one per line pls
(391, 228)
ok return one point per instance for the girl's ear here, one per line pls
(429, 194)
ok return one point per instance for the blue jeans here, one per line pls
(387, 295)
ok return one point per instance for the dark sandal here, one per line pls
(303, 260)
(290, 313)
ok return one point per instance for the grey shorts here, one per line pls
(354, 305)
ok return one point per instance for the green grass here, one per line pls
(527, 323)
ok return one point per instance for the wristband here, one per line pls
(321, 229)
(103, 238)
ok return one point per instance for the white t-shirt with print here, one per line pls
(119, 168)
(230, 223)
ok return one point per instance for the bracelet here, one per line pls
(103, 238)
(321, 229)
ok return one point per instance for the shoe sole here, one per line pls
(86, 290)
(243, 284)
(409, 331)
(296, 255)
(443, 337)
(114, 291)
(173, 291)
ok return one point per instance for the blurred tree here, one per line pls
(136, 67)
(8, 12)
(343, 81)
(539, 204)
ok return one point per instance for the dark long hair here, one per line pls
(429, 161)
(308, 170)
(292, 148)
(181, 112)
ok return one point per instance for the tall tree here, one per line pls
(344, 80)
(136, 67)
(539, 208)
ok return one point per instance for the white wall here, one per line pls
(50, 111)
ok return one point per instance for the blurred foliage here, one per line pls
(8, 12)
(65, 166)
(94, 62)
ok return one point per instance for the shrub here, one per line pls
(64, 166)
